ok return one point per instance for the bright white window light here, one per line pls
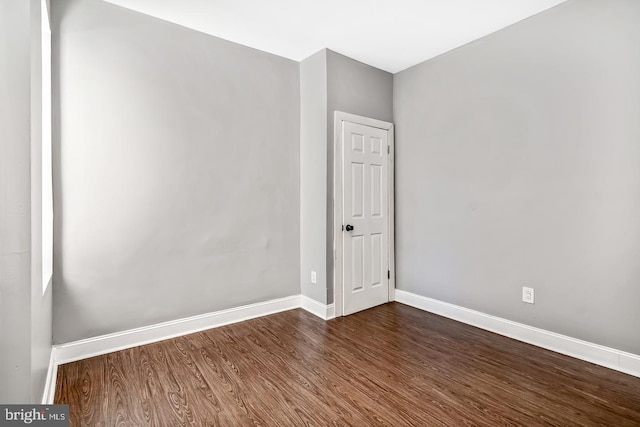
(47, 184)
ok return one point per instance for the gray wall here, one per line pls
(356, 88)
(25, 314)
(15, 243)
(517, 164)
(313, 175)
(178, 172)
(329, 82)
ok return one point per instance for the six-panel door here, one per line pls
(365, 208)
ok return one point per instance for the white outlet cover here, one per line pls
(527, 295)
(313, 277)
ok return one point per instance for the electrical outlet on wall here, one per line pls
(527, 295)
(314, 279)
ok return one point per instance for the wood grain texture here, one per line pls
(392, 365)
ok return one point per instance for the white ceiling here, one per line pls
(388, 34)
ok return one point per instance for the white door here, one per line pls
(365, 217)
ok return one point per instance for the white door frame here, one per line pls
(338, 287)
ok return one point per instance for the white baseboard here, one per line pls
(323, 311)
(629, 363)
(83, 349)
(103, 344)
(600, 355)
(69, 352)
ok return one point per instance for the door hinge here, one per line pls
(388, 274)
(388, 149)
(342, 227)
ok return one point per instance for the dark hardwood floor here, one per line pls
(392, 365)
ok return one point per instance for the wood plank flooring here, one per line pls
(392, 365)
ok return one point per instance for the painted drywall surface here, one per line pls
(15, 244)
(177, 183)
(313, 175)
(356, 88)
(517, 165)
(41, 305)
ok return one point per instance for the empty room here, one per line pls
(307, 213)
